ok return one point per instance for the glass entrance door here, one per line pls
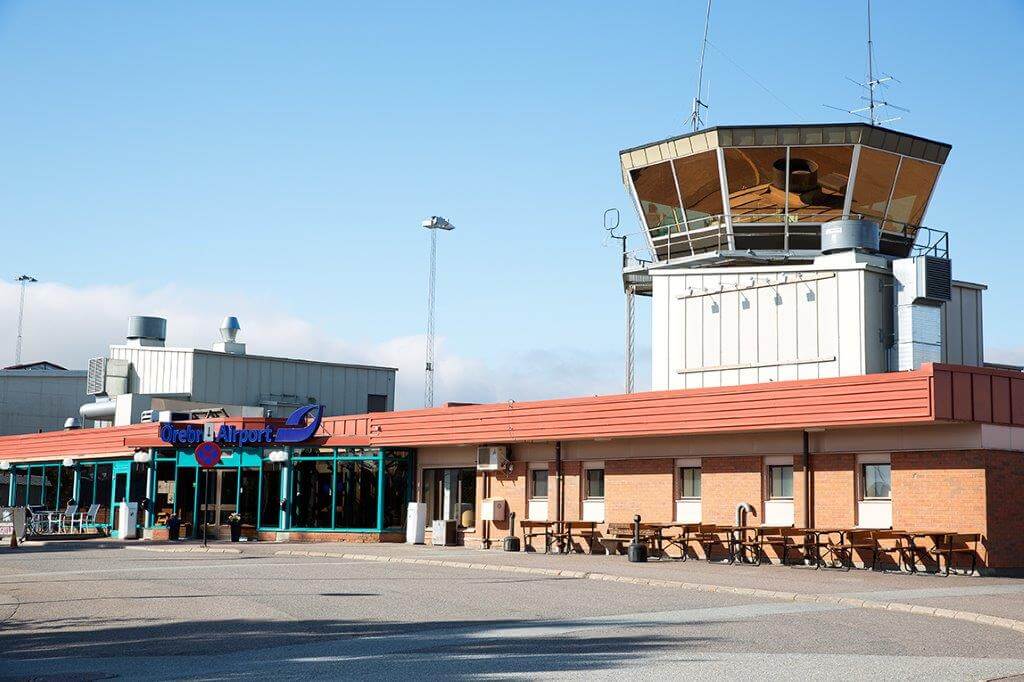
(231, 491)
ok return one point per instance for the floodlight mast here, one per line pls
(433, 223)
(24, 281)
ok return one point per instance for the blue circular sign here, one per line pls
(208, 455)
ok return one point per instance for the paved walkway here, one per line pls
(994, 601)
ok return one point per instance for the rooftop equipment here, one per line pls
(146, 331)
(850, 235)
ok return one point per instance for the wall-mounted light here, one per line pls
(142, 456)
(68, 462)
(5, 465)
(278, 455)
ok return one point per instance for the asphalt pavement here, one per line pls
(107, 610)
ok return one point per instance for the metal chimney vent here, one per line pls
(150, 331)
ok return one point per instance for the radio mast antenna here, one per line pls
(874, 87)
(696, 120)
(24, 281)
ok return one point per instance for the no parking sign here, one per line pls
(208, 455)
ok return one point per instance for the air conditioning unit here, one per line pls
(491, 457)
(107, 376)
(924, 279)
(164, 416)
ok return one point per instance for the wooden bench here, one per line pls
(709, 536)
(618, 535)
(957, 544)
(855, 541)
(785, 537)
(900, 546)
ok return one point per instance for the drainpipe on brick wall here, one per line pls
(559, 495)
(808, 516)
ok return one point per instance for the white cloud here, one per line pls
(1006, 356)
(68, 325)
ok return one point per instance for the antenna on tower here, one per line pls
(696, 120)
(874, 86)
(24, 281)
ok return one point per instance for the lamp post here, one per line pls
(433, 223)
(24, 281)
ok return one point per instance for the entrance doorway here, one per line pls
(231, 491)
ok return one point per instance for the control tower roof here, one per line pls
(763, 192)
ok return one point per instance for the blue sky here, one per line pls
(275, 160)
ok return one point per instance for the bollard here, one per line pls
(511, 542)
(637, 550)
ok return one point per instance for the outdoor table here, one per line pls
(737, 534)
(818, 544)
(588, 530)
(527, 524)
(912, 549)
(659, 538)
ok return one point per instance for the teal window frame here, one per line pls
(336, 455)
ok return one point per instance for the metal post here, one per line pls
(434, 223)
(206, 504)
(559, 497)
(24, 281)
(630, 337)
(637, 550)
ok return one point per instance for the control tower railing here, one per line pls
(770, 236)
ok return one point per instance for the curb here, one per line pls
(917, 609)
(182, 550)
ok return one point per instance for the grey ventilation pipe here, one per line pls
(742, 509)
(102, 411)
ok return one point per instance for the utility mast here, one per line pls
(873, 87)
(24, 281)
(696, 120)
(433, 223)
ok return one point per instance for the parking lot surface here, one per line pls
(107, 610)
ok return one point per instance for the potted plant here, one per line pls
(235, 521)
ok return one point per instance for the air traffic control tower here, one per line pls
(794, 252)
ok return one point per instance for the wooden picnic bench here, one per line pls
(957, 544)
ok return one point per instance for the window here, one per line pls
(689, 483)
(270, 495)
(780, 482)
(356, 494)
(396, 489)
(163, 501)
(376, 403)
(877, 481)
(449, 494)
(5, 487)
(311, 493)
(594, 484)
(538, 483)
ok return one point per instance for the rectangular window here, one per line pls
(877, 481)
(449, 494)
(5, 486)
(780, 482)
(376, 402)
(396, 490)
(270, 495)
(163, 498)
(67, 488)
(689, 483)
(311, 493)
(538, 484)
(356, 494)
(594, 484)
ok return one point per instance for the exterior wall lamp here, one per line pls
(278, 455)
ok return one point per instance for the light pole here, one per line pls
(433, 223)
(24, 281)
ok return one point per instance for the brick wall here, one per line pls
(943, 491)
(725, 483)
(1005, 493)
(834, 490)
(638, 486)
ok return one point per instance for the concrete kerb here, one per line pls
(183, 550)
(917, 609)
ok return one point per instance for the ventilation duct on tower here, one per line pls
(923, 284)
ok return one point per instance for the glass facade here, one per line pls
(777, 197)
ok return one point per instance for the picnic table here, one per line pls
(552, 535)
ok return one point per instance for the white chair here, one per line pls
(88, 519)
(67, 520)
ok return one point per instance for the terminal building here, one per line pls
(815, 362)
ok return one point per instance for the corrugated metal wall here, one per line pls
(248, 380)
(962, 338)
(224, 379)
(722, 329)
